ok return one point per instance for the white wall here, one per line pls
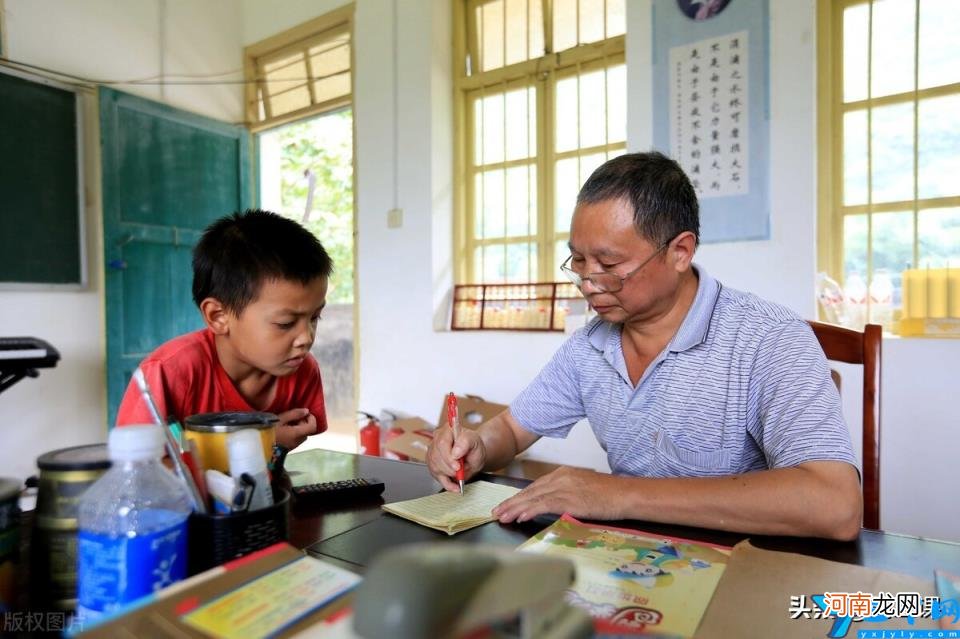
(404, 273)
(100, 40)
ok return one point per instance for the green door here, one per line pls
(167, 174)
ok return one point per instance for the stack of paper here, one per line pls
(452, 512)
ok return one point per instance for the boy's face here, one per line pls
(274, 333)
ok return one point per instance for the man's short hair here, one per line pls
(663, 200)
(239, 252)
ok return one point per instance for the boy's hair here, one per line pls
(664, 202)
(238, 252)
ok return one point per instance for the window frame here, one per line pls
(300, 37)
(541, 73)
(831, 210)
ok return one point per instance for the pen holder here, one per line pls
(216, 539)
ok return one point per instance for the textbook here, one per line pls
(631, 581)
(452, 512)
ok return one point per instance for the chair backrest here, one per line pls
(854, 347)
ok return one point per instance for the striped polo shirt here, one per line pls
(743, 385)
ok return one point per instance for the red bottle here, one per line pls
(370, 437)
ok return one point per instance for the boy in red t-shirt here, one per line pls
(260, 281)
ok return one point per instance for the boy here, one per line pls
(260, 282)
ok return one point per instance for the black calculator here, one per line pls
(357, 489)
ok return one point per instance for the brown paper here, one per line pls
(418, 432)
(473, 411)
(413, 444)
(411, 424)
(753, 596)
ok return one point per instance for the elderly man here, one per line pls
(715, 407)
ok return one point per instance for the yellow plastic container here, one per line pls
(209, 433)
(931, 303)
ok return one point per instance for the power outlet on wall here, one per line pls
(394, 218)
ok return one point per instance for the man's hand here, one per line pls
(443, 456)
(582, 493)
(295, 426)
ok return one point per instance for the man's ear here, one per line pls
(215, 315)
(682, 249)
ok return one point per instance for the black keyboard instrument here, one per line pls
(21, 357)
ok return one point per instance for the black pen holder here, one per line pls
(215, 539)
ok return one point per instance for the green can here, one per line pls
(65, 475)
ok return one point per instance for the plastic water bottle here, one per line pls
(133, 525)
(832, 299)
(856, 293)
(881, 299)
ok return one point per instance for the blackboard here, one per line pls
(40, 204)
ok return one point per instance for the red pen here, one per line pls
(453, 418)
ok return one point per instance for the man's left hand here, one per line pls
(581, 493)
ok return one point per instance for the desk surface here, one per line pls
(354, 535)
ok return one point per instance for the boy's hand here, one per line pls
(443, 456)
(295, 426)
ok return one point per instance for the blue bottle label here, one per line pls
(113, 571)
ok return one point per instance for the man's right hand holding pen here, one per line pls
(446, 454)
(492, 446)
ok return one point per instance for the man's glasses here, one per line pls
(604, 282)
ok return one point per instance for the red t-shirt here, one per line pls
(186, 378)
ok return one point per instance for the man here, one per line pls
(715, 407)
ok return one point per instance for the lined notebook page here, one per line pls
(453, 512)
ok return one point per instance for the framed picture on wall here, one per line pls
(711, 109)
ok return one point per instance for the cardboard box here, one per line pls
(474, 411)
(415, 440)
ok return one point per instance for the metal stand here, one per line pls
(10, 377)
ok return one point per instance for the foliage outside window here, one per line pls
(889, 142)
(541, 102)
(314, 186)
(299, 99)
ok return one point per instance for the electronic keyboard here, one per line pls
(21, 356)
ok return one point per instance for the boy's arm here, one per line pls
(294, 427)
(309, 417)
(310, 389)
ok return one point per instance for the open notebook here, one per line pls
(452, 512)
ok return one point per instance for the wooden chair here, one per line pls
(854, 347)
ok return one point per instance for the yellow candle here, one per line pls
(937, 292)
(914, 293)
(953, 279)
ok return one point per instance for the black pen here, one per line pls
(251, 484)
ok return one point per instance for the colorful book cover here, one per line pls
(948, 606)
(634, 582)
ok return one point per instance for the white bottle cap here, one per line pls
(245, 452)
(134, 443)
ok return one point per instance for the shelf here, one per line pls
(540, 306)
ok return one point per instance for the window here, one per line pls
(300, 106)
(541, 102)
(889, 141)
(300, 72)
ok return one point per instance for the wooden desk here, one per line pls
(354, 535)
